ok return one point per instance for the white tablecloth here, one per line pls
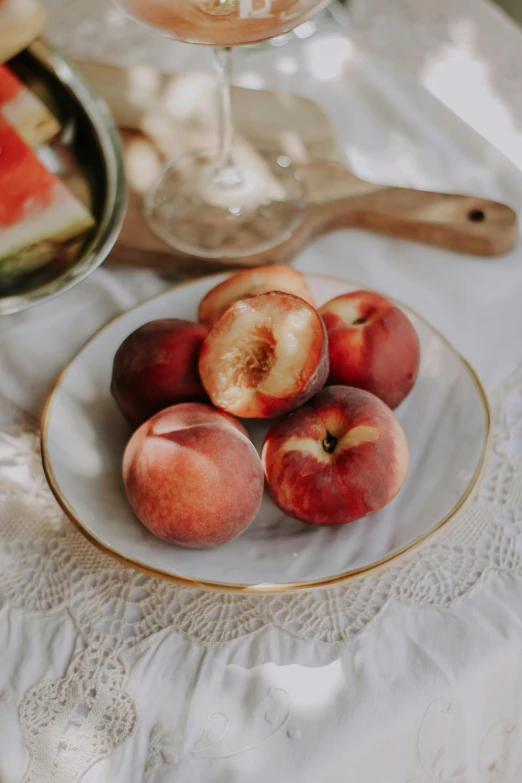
(414, 674)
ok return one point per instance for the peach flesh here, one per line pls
(265, 356)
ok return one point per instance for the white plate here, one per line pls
(446, 420)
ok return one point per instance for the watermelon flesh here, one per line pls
(24, 111)
(37, 211)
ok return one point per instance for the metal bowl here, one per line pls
(87, 155)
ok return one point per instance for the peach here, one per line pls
(340, 457)
(372, 345)
(192, 476)
(157, 366)
(265, 356)
(251, 282)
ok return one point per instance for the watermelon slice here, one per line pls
(24, 111)
(37, 211)
(21, 21)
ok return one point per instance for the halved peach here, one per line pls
(265, 356)
(251, 282)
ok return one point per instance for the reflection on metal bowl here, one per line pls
(87, 156)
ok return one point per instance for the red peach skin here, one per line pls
(252, 282)
(157, 366)
(372, 345)
(265, 356)
(341, 457)
(192, 476)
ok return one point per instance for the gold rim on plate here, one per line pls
(267, 588)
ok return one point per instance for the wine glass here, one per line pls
(227, 201)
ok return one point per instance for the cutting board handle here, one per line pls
(463, 223)
(468, 224)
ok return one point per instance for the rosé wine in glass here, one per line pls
(222, 22)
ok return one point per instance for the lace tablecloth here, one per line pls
(413, 674)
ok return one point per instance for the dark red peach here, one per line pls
(157, 366)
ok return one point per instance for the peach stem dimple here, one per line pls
(329, 443)
(364, 318)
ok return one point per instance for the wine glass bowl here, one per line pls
(260, 211)
(222, 22)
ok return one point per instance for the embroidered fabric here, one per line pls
(70, 723)
(81, 717)
(46, 563)
(439, 743)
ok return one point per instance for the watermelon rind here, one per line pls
(32, 120)
(61, 221)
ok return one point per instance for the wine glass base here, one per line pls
(252, 206)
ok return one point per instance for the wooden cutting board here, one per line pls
(21, 21)
(162, 116)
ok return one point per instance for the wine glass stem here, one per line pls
(225, 173)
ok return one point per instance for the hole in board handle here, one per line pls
(476, 215)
